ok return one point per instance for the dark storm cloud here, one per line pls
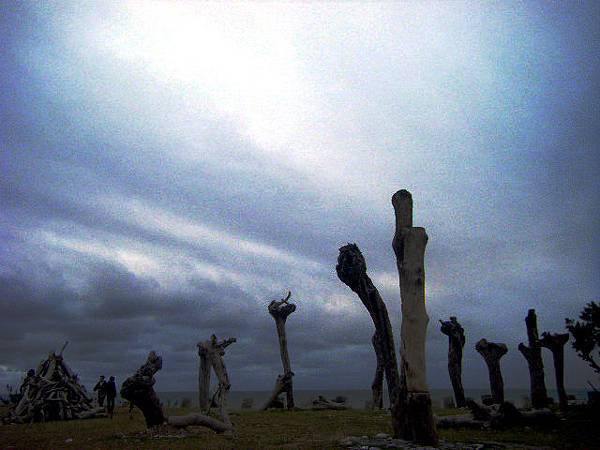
(147, 203)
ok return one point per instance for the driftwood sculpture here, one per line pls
(280, 310)
(556, 344)
(533, 355)
(321, 403)
(456, 342)
(352, 271)
(204, 369)
(491, 353)
(139, 390)
(409, 247)
(52, 392)
(502, 416)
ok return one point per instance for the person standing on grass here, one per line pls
(101, 389)
(111, 393)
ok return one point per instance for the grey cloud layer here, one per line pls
(137, 214)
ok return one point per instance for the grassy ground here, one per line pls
(270, 430)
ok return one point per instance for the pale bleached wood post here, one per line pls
(556, 344)
(491, 353)
(280, 310)
(533, 355)
(409, 246)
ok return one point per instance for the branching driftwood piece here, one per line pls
(456, 342)
(210, 353)
(352, 271)
(533, 355)
(280, 310)
(139, 390)
(556, 344)
(409, 247)
(491, 353)
(52, 392)
(213, 350)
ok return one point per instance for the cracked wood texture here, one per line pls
(280, 310)
(456, 342)
(492, 353)
(556, 344)
(533, 355)
(409, 247)
(351, 269)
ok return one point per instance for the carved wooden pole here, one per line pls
(556, 344)
(456, 342)
(409, 246)
(351, 269)
(280, 310)
(203, 379)
(492, 352)
(533, 355)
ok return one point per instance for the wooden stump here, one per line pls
(556, 344)
(533, 355)
(456, 342)
(280, 310)
(492, 353)
(351, 269)
(409, 247)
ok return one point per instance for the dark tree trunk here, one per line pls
(377, 385)
(203, 380)
(409, 247)
(492, 352)
(139, 390)
(280, 310)
(456, 342)
(556, 344)
(533, 355)
(352, 271)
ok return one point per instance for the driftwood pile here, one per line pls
(52, 393)
(498, 416)
(337, 404)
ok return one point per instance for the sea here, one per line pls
(356, 399)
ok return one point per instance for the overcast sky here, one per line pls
(170, 168)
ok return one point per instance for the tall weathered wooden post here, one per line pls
(533, 355)
(409, 246)
(203, 379)
(352, 271)
(456, 342)
(280, 310)
(492, 352)
(556, 344)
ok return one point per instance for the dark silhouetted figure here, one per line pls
(111, 393)
(101, 389)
